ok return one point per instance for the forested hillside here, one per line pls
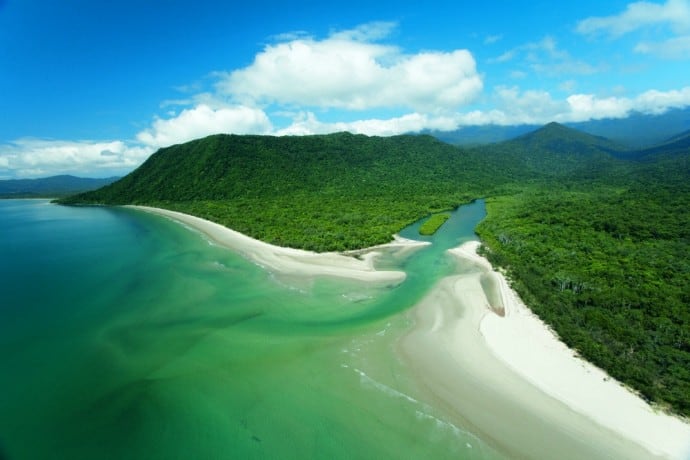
(332, 192)
(594, 238)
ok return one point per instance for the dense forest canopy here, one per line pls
(594, 237)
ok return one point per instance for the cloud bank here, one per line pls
(673, 15)
(298, 85)
(40, 157)
(638, 15)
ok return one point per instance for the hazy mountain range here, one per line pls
(53, 186)
(634, 132)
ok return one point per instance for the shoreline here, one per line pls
(520, 371)
(479, 352)
(517, 338)
(354, 265)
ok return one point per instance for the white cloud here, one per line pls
(525, 107)
(544, 57)
(39, 157)
(657, 102)
(674, 48)
(306, 123)
(589, 107)
(515, 106)
(349, 71)
(491, 39)
(638, 15)
(505, 57)
(568, 86)
(368, 32)
(518, 74)
(204, 120)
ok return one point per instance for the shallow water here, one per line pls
(126, 335)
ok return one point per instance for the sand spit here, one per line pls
(356, 265)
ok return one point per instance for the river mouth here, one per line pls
(126, 335)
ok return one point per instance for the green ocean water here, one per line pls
(125, 335)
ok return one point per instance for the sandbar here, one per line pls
(356, 265)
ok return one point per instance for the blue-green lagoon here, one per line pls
(126, 335)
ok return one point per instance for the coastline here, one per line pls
(482, 354)
(525, 371)
(355, 265)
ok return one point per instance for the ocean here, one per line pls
(127, 335)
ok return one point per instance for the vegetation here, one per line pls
(595, 239)
(433, 223)
(321, 193)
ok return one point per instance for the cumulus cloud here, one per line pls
(584, 107)
(306, 123)
(515, 106)
(39, 157)
(638, 15)
(203, 120)
(658, 102)
(350, 70)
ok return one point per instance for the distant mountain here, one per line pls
(561, 139)
(554, 150)
(635, 132)
(675, 147)
(53, 186)
(678, 137)
(639, 130)
(480, 135)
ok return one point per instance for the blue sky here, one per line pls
(92, 88)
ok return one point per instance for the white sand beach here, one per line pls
(358, 266)
(530, 393)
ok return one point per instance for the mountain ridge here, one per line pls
(635, 132)
(52, 186)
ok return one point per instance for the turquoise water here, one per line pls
(126, 335)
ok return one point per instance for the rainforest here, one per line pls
(593, 235)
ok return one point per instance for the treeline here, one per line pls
(608, 269)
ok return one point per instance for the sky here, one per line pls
(93, 88)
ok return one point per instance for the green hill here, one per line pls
(561, 140)
(677, 146)
(331, 192)
(553, 152)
